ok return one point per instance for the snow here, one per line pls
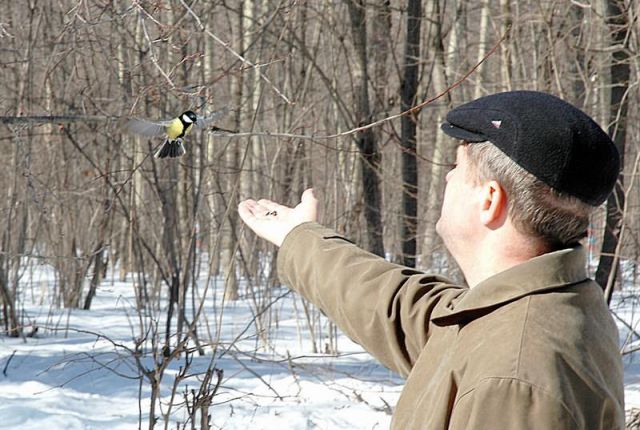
(78, 372)
(625, 308)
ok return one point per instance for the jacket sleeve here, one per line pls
(510, 403)
(382, 306)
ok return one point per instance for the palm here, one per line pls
(273, 221)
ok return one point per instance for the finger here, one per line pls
(248, 202)
(246, 211)
(310, 204)
(251, 205)
(309, 196)
(260, 210)
(252, 210)
(270, 205)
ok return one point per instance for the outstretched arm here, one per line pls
(384, 307)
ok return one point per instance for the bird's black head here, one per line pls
(189, 117)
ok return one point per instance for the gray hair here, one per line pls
(535, 208)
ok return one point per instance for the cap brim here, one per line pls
(461, 133)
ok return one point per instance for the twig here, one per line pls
(257, 375)
(255, 317)
(154, 60)
(582, 5)
(616, 256)
(229, 133)
(415, 109)
(418, 107)
(632, 331)
(54, 119)
(234, 53)
(6, 366)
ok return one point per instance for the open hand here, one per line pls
(273, 221)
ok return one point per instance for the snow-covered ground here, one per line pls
(626, 311)
(77, 373)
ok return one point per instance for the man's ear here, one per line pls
(493, 204)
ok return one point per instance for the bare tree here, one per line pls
(365, 140)
(81, 196)
(618, 23)
(409, 90)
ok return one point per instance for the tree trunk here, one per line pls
(440, 150)
(98, 259)
(229, 239)
(409, 90)
(365, 140)
(482, 47)
(620, 71)
(506, 46)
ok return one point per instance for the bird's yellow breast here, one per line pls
(176, 129)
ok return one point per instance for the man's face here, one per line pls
(459, 221)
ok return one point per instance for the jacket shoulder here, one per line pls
(563, 343)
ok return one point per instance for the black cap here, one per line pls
(548, 137)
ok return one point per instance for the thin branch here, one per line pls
(6, 366)
(47, 119)
(413, 110)
(154, 60)
(616, 255)
(234, 53)
(55, 119)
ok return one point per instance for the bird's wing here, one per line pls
(204, 121)
(146, 128)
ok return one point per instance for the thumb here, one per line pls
(309, 204)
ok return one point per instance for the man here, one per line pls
(530, 343)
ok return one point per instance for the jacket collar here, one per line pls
(547, 272)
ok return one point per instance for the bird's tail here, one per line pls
(171, 148)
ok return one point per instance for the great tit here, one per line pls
(175, 130)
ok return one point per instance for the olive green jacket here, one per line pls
(533, 347)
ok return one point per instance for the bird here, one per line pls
(174, 130)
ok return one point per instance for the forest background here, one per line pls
(346, 96)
